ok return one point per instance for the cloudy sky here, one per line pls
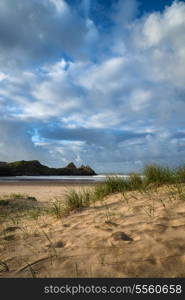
(98, 82)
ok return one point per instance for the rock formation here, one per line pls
(35, 168)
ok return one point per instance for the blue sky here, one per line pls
(94, 82)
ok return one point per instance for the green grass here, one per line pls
(17, 196)
(34, 213)
(113, 184)
(100, 191)
(163, 175)
(77, 200)
(158, 174)
(31, 198)
(56, 209)
(135, 182)
(179, 174)
(3, 202)
(116, 184)
(73, 201)
(153, 176)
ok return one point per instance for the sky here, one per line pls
(94, 82)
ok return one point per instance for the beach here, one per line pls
(132, 234)
(42, 190)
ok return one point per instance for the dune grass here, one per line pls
(114, 184)
(180, 174)
(153, 175)
(158, 174)
(162, 175)
(77, 200)
(3, 202)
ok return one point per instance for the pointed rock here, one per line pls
(71, 166)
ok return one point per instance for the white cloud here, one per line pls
(167, 27)
(60, 5)
(134, 83)
(140, 99)
(2, 76)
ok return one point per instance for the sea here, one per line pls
(94, 178)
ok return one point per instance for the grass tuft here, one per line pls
(134, 182)
(16, 196)
(180, 174)
(116, 184)
(157, 174)
(76, 200)
(153, 176)
(3, 202)
(56, 209)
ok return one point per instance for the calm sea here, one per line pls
(95, 178)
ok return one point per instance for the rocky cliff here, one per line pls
(35, 168)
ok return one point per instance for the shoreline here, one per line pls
(46, 182)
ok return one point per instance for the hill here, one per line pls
(35, 168)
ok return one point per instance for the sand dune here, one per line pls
(131, 235)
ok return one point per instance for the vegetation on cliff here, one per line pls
(35, 168)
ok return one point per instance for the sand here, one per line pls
(41, 190)
(131, 235)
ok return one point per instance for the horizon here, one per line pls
(98, 83)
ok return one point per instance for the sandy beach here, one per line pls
(124, 235)
(41, 190)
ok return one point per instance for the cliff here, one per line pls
(35, 168)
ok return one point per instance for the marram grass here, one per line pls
(152, 174)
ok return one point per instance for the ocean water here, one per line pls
(95, 178)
